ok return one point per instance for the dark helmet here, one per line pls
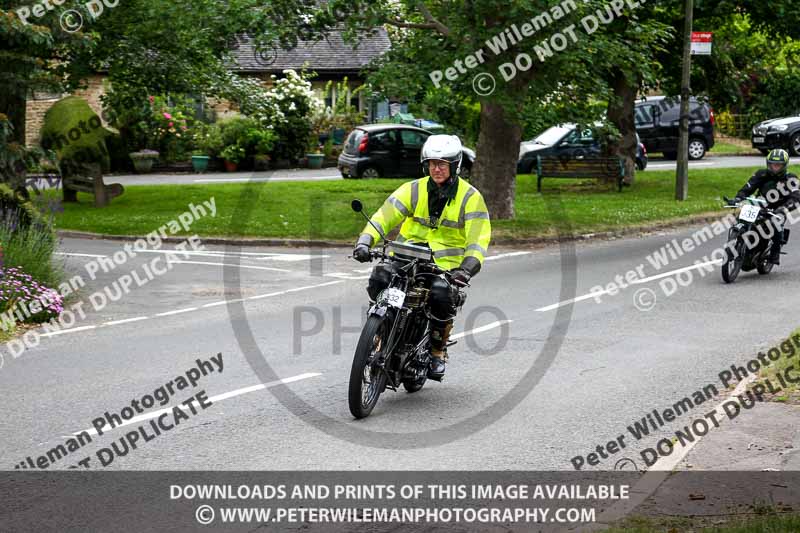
(777, 161)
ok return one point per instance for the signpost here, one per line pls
(701, 43)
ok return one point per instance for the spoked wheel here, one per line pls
(733, 264)
(366, 378)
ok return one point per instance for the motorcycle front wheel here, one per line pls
(367, 379)
(733, 263)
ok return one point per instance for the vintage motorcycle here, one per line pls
(394, 347)
(742, 254)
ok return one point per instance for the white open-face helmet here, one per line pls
(443, 147)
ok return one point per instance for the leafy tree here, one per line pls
(432, 36)
(37, 54)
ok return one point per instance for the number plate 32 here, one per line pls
(394, 297)
(749, 213)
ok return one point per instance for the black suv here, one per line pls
(777, 133)
(389, 151)
(658, 125)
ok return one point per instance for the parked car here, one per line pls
(389, 151)
(566, 142)
(658, 125)
(777, 133)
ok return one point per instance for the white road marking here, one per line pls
(264, 180)
(63, 331)
(572, 300)
(213, 399)
(178, 261)
(291, 257)
(667, 274)
(258, 256)
(125, 321)
(344, 275)
(672, 165)
(80, 255)
(481, 329)
(214, 304)
(637, 282)
(502, 256)
(179, 311)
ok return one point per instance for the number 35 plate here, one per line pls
(749, 213)
(395, 297)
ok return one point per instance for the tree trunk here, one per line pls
(620, 113)
(495, 171)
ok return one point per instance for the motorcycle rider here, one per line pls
(447, 214)
(780, 189)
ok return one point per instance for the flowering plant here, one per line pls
(168, 126)
(285, 107)
(19, 290)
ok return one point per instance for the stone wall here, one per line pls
(39, 103)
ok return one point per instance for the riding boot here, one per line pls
(775, 253)
(440, 336)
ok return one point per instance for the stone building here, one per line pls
(331, 58)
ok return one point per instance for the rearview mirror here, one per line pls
(357, 206)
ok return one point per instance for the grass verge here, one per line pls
(790, 394)
(321, 209)
(722, 148)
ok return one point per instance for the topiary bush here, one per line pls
(76, 134)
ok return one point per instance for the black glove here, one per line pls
(361, 253)
(735, 200)
(460, 276)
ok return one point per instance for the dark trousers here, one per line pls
(441, 301)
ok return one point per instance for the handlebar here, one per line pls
(379, 254)
(731, 204)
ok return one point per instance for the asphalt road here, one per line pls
(303, 308)
(326, 174)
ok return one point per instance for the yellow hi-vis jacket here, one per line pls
(463, 229)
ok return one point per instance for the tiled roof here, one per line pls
(331, 54)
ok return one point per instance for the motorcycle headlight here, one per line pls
(781, 127)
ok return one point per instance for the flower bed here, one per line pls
(31, 300)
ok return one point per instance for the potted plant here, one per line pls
(232, 155)
(143, 160)
(200, 161)
(314, 154)
(315, 159)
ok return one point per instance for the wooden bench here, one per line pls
(604, 168)
(91, 181)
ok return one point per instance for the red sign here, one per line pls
(701, 43)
